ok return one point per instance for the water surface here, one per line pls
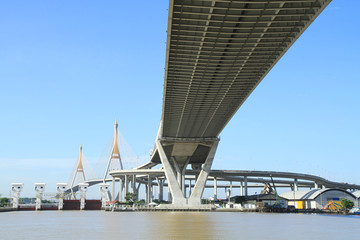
(175, 225)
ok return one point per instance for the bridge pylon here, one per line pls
(114, 160)
(79, 171)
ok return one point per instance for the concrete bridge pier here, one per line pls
(133, 184)
(241, 189)
(113, 190)
(149, 190)
(189, 187)
(296, 185)
(215, 188)
(137, 191)
(174, 175)
(160, 183)
(121, 186)
(246, 185)
(126, 186)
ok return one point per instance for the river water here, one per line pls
(175, 225)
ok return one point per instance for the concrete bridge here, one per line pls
(217, 53)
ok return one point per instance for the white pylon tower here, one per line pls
(115, 153)
(79, 170)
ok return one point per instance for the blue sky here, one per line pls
(68, 69)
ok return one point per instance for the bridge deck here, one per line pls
(218, 52)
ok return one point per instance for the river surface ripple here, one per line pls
(175, 225)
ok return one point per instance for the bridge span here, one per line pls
(217, 53)
(229, 179)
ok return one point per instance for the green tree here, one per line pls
(240, 199)
(130, 198)
(4, 201)
(347, 204)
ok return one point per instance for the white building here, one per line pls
(317, 198)
(357, 195)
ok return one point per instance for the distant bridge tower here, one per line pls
(114, 162)
(114, 159)
(79, 171)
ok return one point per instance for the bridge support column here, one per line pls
(173, 184)
(183, 187)
(161, 189)
(215, 188)
(178, 198)
(169, 195)
(133, 184)
(113, 190)
(296, 186)
(189, 187)
(246, 185)
(195, 197)
(126, 187)
(149, 190)
(137, 191)
(231, 191)
(316, 186)
(241, 189)
(121, 196)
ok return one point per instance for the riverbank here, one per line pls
(7, 209)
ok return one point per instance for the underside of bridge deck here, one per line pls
(217, 52)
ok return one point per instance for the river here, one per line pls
(175, 225)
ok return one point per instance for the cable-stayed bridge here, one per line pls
(217, 53)
(130, 180)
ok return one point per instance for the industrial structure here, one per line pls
(318, 198)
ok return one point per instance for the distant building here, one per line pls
(357, 195)
(261, 200)
(317, 198)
